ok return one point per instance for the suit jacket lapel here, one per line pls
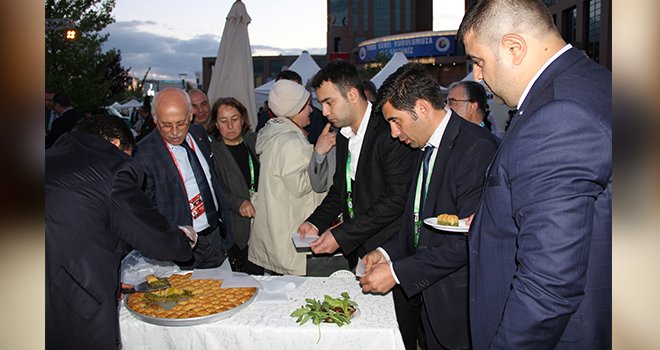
(532, 102)
(540, 87)
(369, 135)
(441, 159)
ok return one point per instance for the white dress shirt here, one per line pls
(355, 140)
(189, 181)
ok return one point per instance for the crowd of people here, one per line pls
(360, 174)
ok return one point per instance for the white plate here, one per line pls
(433, 222)
(342, 274)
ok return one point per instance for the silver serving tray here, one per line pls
(177, 322)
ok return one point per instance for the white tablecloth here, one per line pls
(269, 326)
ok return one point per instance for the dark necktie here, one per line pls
(426, 156)
(203, 185)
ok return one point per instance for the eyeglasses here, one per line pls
(452, 101)
(167, 127)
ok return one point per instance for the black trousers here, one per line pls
(407, 316)
(207, 253)
(238, 258)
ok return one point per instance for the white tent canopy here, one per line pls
(397, 60)
(115, 105)
(133, 103)
(303, 65)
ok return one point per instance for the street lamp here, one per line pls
(183, 77)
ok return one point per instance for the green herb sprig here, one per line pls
(330, 310)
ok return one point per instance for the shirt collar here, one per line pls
(435, 139)
(538, 74)
(348, 132)
(66, 109)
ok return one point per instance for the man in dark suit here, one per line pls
(49, 112)
(448, 180)
(541, 240)
(94, 207)
(369, 189)
(181, 180)
(66, 120)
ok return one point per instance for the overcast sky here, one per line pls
(172, 36)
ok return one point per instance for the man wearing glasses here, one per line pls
(180, 181)
(469, 100)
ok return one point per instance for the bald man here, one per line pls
(180, 180)
(541, 240)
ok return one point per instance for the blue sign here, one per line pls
(426, 46)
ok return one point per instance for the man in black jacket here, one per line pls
(448, 180)
(94, 208)
(66, 120)
(372, 176)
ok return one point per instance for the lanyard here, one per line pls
(349, 187)
(251, 169)
(418, 194)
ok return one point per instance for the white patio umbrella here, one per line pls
(233, 73)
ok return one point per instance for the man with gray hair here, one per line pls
(468, 99)
(180, 181)
(541, 240)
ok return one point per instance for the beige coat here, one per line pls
(285, 197)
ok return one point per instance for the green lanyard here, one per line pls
(418, 193)
(251, 169)
(349, 192)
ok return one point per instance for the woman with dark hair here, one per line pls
(237, 166)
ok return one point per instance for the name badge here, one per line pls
(197, 206)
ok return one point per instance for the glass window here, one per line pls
(365, 15)
(397, 16)
(408, 16)
(593, 29)
(569, 17)
(356, 17)
(381, 18)
(258, 67)
(338, 13)
(275, 67)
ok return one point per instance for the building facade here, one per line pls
(351, 22)
(586, 24)
(439, 51)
